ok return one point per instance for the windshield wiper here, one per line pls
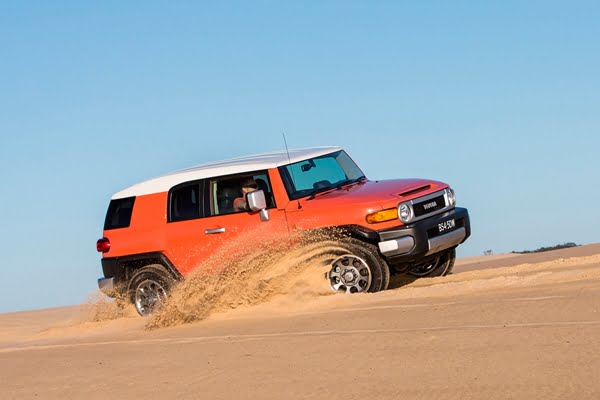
(320, 190)
(360, 179)
(339, 186)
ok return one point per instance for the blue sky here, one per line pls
(500, 100)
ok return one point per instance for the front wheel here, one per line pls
(148, 288)
(358, 267)
(437, 266)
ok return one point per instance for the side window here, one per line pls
(228, 194)
(185, 202)
(119, 213)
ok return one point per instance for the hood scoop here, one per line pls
(415, 191)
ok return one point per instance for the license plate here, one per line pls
(446, 225)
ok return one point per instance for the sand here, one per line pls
(500, 327)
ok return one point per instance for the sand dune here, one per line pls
(514, 326)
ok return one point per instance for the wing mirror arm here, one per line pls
(264, 215)
(258, 202)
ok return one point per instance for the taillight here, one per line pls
(103, 245)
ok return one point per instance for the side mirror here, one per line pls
(258, 202)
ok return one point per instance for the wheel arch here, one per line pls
(122, 268)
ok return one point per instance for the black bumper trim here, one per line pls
(422, 231)
(117, 267)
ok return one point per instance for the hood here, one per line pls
(385, 193)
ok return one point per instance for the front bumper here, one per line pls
(421, 239)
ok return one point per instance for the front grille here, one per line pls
(429, 206)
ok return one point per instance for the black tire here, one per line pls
(149, 287)
(379, 269)
(438, 266)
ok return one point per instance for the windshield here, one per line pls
(317, 174)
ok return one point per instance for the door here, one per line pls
(209, 224)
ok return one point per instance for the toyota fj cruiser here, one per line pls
(158, 231)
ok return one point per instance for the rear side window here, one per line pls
(185, 203)
(119, 213)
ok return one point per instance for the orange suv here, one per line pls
(158, 231)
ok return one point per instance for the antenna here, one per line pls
(290, 161)
(286, 148)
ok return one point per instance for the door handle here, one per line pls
(214, 231)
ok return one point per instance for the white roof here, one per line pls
(219, 168)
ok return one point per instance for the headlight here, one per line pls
(405, 212)
(451, 197)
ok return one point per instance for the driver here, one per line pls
(248, 186)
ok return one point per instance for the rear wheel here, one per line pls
(357, 267)
(437, 266)
(149, 288)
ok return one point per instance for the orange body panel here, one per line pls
(146, 232)
(189, 246)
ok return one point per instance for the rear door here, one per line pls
(205, 231)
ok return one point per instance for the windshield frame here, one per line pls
(290, 187)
